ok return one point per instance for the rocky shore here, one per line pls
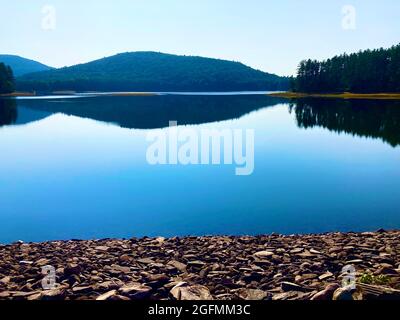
(274, 267)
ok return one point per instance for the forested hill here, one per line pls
(21, 66)
(151, 71)
(370, 71)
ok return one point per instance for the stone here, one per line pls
(252, 294)
(81, 289)
(325, 276)
(106, 285)
(102, 248)
(313, 251)
(264, 254)
(136, 290)
(25, 247)
(296, 250)
(116, 269)
(21, 294)
(288, 286)
(263, 262)
(53, 294)
(355, 261)
(196, 263)
(327, 293)
(42, 262)
(145, 260)
(178, 265)
(35, 297)
(125, 258)
(157, 280)
(107, 296)
(160, 240)
(156, 265)
(387, 271)
(306, 255)
(5, 280)
(284, 295)
(118, 297)
(183, 291)
(344, 293)
(72, 269)
(309, 276)
(305, 265)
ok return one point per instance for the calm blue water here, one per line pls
(76, 168)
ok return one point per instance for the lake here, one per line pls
(76, 168)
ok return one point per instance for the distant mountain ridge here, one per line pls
(153, 71)
(22, 66)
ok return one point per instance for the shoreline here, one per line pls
(270, 267)
(72, 93)
(18, 94)
(345, 95)
(287, 95)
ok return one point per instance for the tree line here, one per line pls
(369, 71)
(152, 71)
(112, 84)
(7, 82)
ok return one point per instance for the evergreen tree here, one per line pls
(7, 81)
(370, 71)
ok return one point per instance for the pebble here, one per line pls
(327, 293)
(184, 291)
(107, 295)
(275, 267)
(253, 294)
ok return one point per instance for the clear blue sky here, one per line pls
(269, 35)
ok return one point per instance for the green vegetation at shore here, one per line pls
(365, 72)
(18, 94)
(345, 95)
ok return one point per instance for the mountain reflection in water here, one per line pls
(378, 119)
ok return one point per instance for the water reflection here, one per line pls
(378, 119)
(8, 112)
(154, 111)
(364, 118)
